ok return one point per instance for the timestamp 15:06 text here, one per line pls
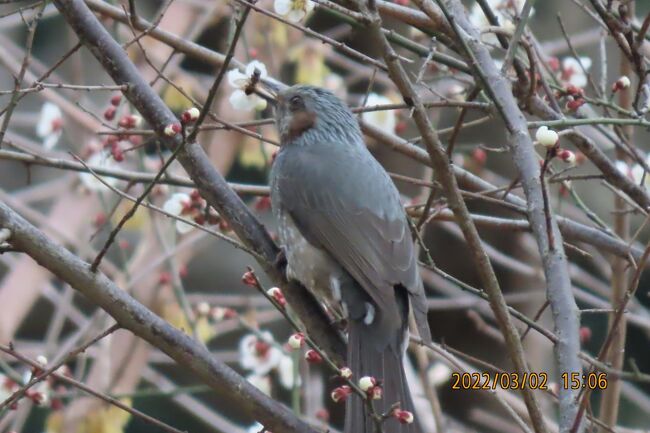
(468, 381)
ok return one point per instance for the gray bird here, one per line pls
(346, 238)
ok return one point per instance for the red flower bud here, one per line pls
(262, 348)
(323, 415)
(313, 357)
(400, 127)
(574, 90)
(115, 100)
(100, 219)
(277, 295)
(375, 393)
(164, 278)
(118, 154)
(297, 340)
(136, 140)
(263, 204)
(195, 195)
(249, 279)
(341, 393)
(109, 114)
(479, 155)
(574, 104)
(403, 416)
(620, 84)
(190, 115)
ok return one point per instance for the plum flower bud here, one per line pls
(115, 100)
(190, 115)
(164, 278)
(345, 373)
(403, 416)
(277, 295)
(64, 370)
(130, 121)
(297, 340)
(323, 415)
(313, 357)
(220, 313)
(341, 393)
(42, 361)
(136, 120)
(39, 398)
(249, 279)
(622, 83)
(546, 137)
(479, 156)
(585, 334)
(109, 114)
(375, 393)
(567, 156)
(172, 129)
(574, 91)
(367, 382)
(574, 104)
(203, 309)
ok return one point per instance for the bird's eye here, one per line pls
(295, 103)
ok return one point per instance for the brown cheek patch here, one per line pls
(301, 122)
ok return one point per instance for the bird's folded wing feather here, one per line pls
(349, 207)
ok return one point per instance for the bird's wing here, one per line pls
(347, 205)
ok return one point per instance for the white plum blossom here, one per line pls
(294, 10)
(257, 428)
(438, 374)
(176, 205)
(286, 373)
(638, 173)
(546, 137)
(241, 81)
(7, 387)
(101, 159)
(572, 73)
(334, 83)
(383, 119)
(42, 360)
(50, 125)
(635, 172)
(367, 382)
(260, 354)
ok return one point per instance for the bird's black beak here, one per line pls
(269, 90)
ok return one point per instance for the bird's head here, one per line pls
(307, 111)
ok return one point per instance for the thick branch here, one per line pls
(132, 315)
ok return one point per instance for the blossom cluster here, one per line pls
(192, 206)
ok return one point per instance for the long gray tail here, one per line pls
(386, 366)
